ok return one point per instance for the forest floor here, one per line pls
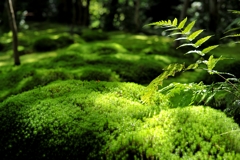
(106, 74)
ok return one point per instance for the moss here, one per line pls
(24, 78)
(99, 75)
(94, 35)
(64, 40)
(44, 44)
(108, 48)
(193, 132)
(69, 119)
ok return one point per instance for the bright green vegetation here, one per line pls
(75, 119)
(81, 97)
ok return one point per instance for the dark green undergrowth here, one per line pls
(98, 61)
(106, 120)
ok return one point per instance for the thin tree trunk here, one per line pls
(13, 26)
(109, 19)
(86, 18)
(73, 6)
(213, 11)
(136, 14)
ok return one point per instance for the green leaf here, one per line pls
(194, 34)
(182, 23)
(186, 44)
(192, 66)
(232, 35)
(169, 22)
(211, 63)
(208, 49)
(175, 21)
(201, 41)
(171, 29)
(176, 33)
(232, 29)
(189, 27)
(195, 51)
(181, 38)
(234, 11)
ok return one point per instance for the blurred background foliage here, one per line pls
(125, 15)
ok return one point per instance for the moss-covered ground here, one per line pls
(79, 97)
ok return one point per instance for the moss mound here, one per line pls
(44, 44)
(70, 119)
(94, 35)
(103, 120)
(180, 133)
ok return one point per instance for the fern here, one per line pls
(230, 29)
(170, 70)
(190, 36)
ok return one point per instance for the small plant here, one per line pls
(190, 37)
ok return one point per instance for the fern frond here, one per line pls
(189, 27)
(232, 35)
(201, 41)
(234, 11)
(235, 22)
(211, 63)
(182, 23)
(209, 98)
(194, 34)
(170, 70)
(226, 74)
(193, 66)
(204, 51)
(233, 29)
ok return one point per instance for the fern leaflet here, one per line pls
(188, 28)
(208, 49)
(201, 41)
(182, 23)
(194, 34)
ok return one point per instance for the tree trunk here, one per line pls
(136, 15)
(86, 18)
(13, 26)
(213, 11)
(74, 3)
(109, 19)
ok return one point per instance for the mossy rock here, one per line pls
(68, 119)
(94, 35)
(44, 44)
(64, 41)
(68, 59)
(193, 132)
